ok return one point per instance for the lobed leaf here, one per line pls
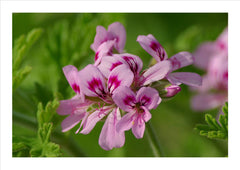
(20, 49)
(215, 129)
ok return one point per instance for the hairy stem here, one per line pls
(153, 140)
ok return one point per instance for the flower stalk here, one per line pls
(153, 141)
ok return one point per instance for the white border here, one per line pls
(8, 7)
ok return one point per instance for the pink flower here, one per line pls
(213, 58)
(116, 31)
(137, 107)
(208, 50)
(109, 85)
(179, 60)
(97, 90)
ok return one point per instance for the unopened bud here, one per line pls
(171, 91)
(166, 89)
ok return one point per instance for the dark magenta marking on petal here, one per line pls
(221, 45)
(129, 100)
(225, 75)
(96, 86)
(104, 40)
(158, 49)
(132, 64)
(145, 100)
(154, 45)
(114, 65)
(76, 88)
(113, 81)
(96, 55)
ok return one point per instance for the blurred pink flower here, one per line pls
(213, 58)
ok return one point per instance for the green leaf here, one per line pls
(225, 109)
(20, 146)
(212, 122)
(42, 147)
(22, 45)
(19, 75)
(215, 129)
(44, 132)
(203, 127)
(45, 115)
(33, 36)
(20, 49)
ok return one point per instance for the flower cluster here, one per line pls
(213, 58)
(117, 90)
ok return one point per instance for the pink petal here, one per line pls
(181, 59)
(119, 32)
(109, 137)
(152, 46)
(148, 97)
(204, 53)
(126, 122)
(133, 61)
(156, 72)
(71, 121)
(100, 37)
(92, 82)
(206, 84)
(138, 128)
(120, 76)
(218, 72)
(146, 116)
(71, 73)
(69, 106)
(92, 121)
(204, 102)
(191, 79)
(83, 122)
(124, 98)
(105, 49)
(222, 40)
(109, 63)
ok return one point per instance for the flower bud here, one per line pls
(166, 89)
(171, 91)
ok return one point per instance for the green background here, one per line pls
(66, 39)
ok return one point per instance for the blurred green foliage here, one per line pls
(20, 49)
(60, 39)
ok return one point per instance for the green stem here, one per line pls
(153, 140)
